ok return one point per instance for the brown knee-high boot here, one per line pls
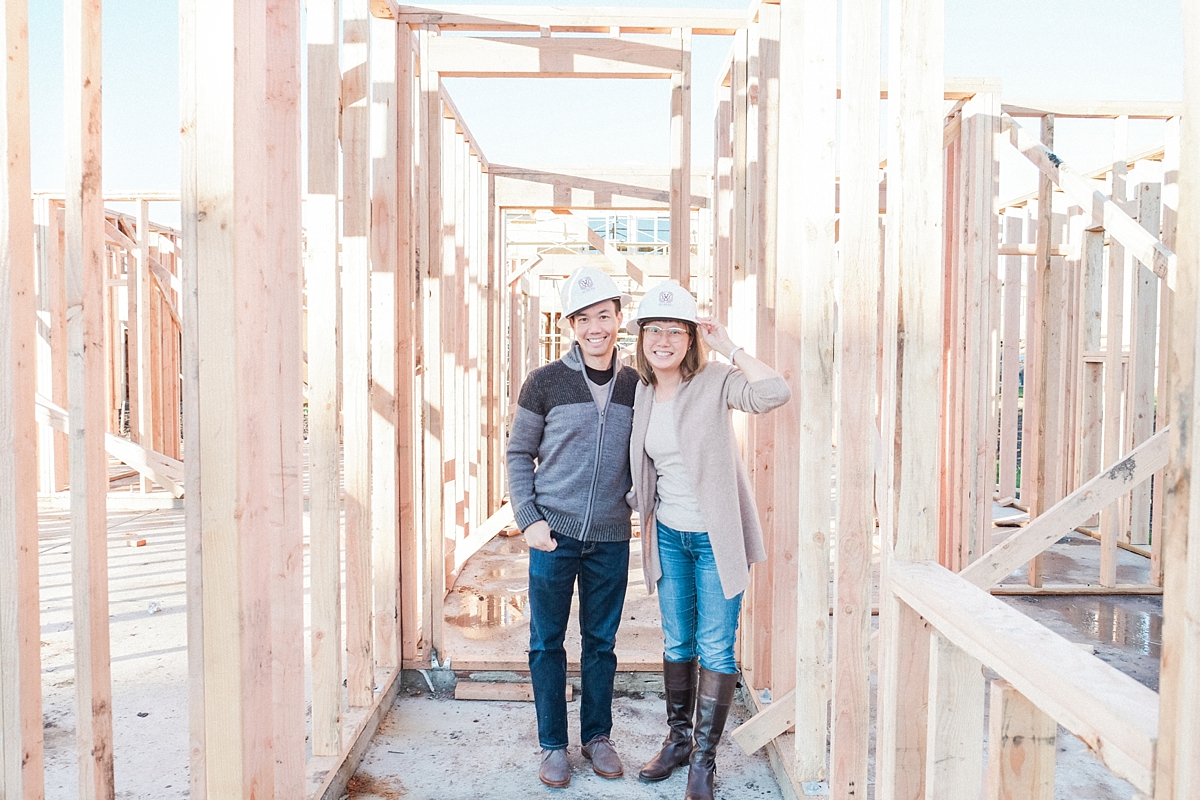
(714, 696)
(679, 685)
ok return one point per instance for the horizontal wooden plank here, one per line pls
(601, 19)
(384, 9)
(1074, 509)
(167, 472)
(616, 187)
(773, 720)
(1139, 242)
(1030, 249)
(465, 56)
(1113, 714)
(1101, 109)
(1072, 590)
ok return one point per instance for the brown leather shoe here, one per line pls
(605, 761)
(555, 771)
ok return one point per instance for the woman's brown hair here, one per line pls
(694, 360)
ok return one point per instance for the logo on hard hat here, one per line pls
(585, 283)
(666, 297)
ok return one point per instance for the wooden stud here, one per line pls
(912, 279)
(1011, 360)
(356, 345)
(1142, 351)
(954, 762)
(52, 362)
(246, 134)
(85, 391)
(21, 748)
(1022, 742)
(681, 164)
(385, 356)
(1111, 519)
(804, 295)
(324, 358)
(856, 367)
(141, 424)
(1178, 757)
(1170, 217)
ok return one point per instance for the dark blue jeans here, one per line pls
(602, 571)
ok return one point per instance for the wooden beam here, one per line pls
(681, 165)
(1022, 744)
(385, 288)
(21, 748)
(1074, 509)
(357, 415)
(856, 366)
(703, 21)
(912, 297)
(452, 111)
(249, 392)
(86, 393)
(1103, 212)
(324, 355)
(954, 760)
(1113, 714)
(753, 734)
(1098, 109)
(572, 57)
(1178, 768)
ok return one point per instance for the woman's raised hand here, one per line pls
(715, 335)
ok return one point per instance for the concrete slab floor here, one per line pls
(431, 747)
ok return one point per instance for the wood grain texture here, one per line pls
(86, 393)
(324, 357)
(1022, 742)
(954, 761)
(21, 747)
(681, 163)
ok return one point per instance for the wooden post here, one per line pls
(52, 360)
(430, 104)
(141, 423)
(324, 358)
(1111, 519)
(21, 757)
(1091, 432)
(1011, 357)
(356, 346)
(681, 164)
(385, 361)
(807, 75)
(246, 134)
(1022, 741)
(1178, 754)
(912, 279)
(86, 398)
(856, 367)
(193, 517)
(954, 760)
(1165, 326)
(1142, 362)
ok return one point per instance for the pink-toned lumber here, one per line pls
(1178, 757)
(52, 356)
(324, 411)
(86, 398)
(1022, 742)
(681, 164)
(1010, 340)
(856, 367)
(356, 343)
(21, 751)
(246, 133)
(193, 517)
(385, 366)
(909, 524)
(140, 403)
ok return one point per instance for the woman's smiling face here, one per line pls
(664, 344)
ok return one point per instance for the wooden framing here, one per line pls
(21, 756)
(414, 325)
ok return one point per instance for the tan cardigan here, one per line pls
(718, 477)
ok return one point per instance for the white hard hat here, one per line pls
(668, 300)
(587, 286)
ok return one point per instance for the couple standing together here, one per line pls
(591, 439)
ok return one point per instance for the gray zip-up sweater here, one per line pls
(568, 461)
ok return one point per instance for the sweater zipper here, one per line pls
(587, 517)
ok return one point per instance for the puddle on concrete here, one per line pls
(479, 609)
(1108, 621)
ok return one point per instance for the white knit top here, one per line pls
(676, 504)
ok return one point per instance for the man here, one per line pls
(568, 472)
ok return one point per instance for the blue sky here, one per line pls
(1040, 49)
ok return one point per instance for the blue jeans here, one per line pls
(697, 618)
(602, 570)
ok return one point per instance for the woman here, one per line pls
(700, 530)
